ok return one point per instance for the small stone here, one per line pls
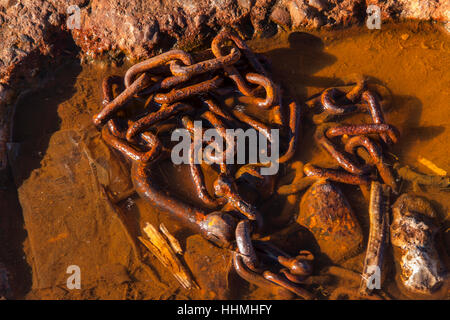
(298, 11)
(317, 22)
(318, 4)
(424, 45)
(8, 3)
(151, 34)
(169, 20)
(327, 214)
(413, 233)
(246, 4)
(281, 16)
(199, 20)
(404, 36)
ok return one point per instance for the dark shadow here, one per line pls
(166, 41)
(295, 66)
(406, 113)
(410, 109)
(36, 117)
(34, 120)
(238, 287)
(12, 236)
(294, 238)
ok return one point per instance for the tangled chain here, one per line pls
(179, 88)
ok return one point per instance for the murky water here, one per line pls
(53, 131)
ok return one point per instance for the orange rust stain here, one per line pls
(60, 236)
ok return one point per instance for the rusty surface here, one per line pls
(344, 159)
(363, 129)
(144, 150)
(328, 215)
(376, 112)
(413, 235)
(334, 175)
(186, 92)
(378, 236)
(329, 104)
(377, 158)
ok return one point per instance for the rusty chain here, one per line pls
(179, 90)
(191, 81)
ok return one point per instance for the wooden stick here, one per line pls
(167, 256)
(172, 240)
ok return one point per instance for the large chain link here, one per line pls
(189, 81)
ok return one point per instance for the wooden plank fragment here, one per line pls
(167, 256)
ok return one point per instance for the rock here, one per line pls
(246, 4)
(447, 27)
(118, 27)
(413, 9)
(259, 16)
(346, 12)
(318, 4)
(413, 233)
(112, 26)
(280, 15)
(326, 213)
(299, 12)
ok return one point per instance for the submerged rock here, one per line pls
(281, 16)
(413, 233)
(327, 214)
(299, 12)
